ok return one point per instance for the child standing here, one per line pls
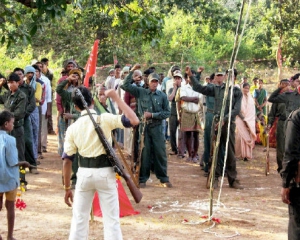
(9, 169)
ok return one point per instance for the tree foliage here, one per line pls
(148, 31)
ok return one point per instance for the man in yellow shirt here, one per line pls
(95, 171)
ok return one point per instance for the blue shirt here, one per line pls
(9, 172)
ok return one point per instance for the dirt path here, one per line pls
(253, 213)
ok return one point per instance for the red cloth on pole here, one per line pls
(90, 67)
(126, 208)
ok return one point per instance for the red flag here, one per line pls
(91, 64)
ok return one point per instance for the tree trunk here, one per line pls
(279, 58)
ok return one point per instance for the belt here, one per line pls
(157, 121)
(94, 162)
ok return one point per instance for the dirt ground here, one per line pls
(256, 212)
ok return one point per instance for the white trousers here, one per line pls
(90, 180)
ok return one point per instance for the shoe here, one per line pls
(142, 185)
(194, 160)
(189, 159)
(33, 170)
(38, 162)
(180, 156)
(51, 132)
(167, 184)
(44, 150)
(245, 159)
(40, 156)
(236, 185)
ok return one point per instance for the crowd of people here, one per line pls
(142, 110)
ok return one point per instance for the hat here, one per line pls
(76, 71)
(70, 61)
(125, 69)
(177, 73)
(220, 71)
(111, 70)
(28, 69)
(153, 76)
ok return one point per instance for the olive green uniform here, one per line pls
(66, 98)
(16, 103)
(218, 93)
(28, 137)
(154, 140)
(278, 110)
(291, 100)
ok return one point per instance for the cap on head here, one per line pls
(153, 77)
(29, 69)
(125, 69)
(177, 73)
(220, 71)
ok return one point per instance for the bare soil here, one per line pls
(256, 212)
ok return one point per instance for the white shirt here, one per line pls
(48, 94)
(187, 91)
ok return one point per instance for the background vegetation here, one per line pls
(151, 32)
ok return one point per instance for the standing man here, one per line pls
(290, 173)
(290, 99)
(218, 91)
(49, 74)
(15, 101)
(95, 172)
(209, 116)
(173, 119)
(278, 110)
(153, 105)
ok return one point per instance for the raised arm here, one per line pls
(205, 90)
(127, 86)
(276, 97)
(127, 111)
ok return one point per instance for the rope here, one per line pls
(231, 94)
(198, 207)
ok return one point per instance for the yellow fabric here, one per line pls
(38, 93)
(252, 88)
(81, 135)
(262, 132)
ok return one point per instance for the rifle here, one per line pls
(267, 167)
(117, 165)
(141, 147)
